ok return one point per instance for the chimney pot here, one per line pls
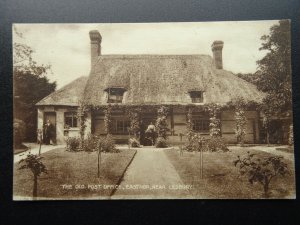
(96, 39)
(217, 47)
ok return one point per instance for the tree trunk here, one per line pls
(268, 138)
(35, 184)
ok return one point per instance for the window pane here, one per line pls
(68, 121)
(71, 119)
(201, 125)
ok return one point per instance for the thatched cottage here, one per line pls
(176, 81)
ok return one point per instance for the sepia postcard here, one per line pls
(186, 110)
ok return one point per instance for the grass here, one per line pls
(78, 169)
(21, 148)
(222, 179)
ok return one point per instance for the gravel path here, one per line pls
(151, 175)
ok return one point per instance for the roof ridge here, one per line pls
(152, 55)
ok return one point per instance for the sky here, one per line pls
(66, 47)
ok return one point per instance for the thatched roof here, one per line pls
(165, 79)
(69, 95)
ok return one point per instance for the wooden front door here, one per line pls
(52, 117)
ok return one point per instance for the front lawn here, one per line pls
(77, 171)
(222, 179)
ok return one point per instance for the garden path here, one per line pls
(151, 175)
(34, 149)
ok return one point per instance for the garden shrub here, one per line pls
(216, 144)
(161, 143)
(90, 143)
(195, 143)
(133, 142)
(19, 132)
(261, 170)
(73, 144)
(107, 144)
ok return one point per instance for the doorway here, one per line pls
(52, 117)
(146, 120)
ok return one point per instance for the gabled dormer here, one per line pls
(115, 94)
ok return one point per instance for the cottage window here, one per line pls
(115, 95)
(70, 119)
(196, 96)
(120, 126)
(201, 125)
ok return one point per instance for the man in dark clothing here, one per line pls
(48, 128)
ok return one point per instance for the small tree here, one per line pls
(34, 163)
(263, 170)
(240, 118)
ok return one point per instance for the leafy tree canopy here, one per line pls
(30, 85)
(274, 70)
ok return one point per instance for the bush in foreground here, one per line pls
(215, 144)
(198, 142)
(261, 170)
(73, 144)
(90, 143)
(108, 144)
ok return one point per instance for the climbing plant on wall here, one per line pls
(108, 119)
(189, 123)
(134, 114)
(240, 118)
(214, 119)
(81, 115)
(161, 122)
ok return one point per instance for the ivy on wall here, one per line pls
(240, 118)
(214, 119)
(81, 115)
(161, 122)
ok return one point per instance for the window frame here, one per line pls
(195, 99)
(202, 123)
(120, 122)
(73, 116)
(117, 92)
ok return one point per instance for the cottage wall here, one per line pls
(61, 132)
(177, 125)
(228, 125)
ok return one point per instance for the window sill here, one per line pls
(72, 129)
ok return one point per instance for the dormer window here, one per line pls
(115, 95)
(196, 96)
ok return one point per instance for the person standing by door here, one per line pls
(49, 130)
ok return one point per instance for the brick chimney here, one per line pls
(216, 48)
(95, 38)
